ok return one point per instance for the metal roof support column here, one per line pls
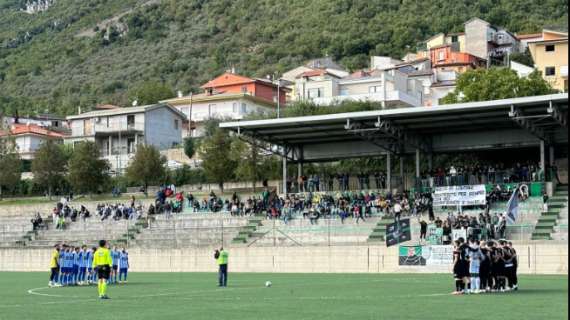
(285, 172)
(389, 171)
(417, 162)
(402, 183)
(542, 162)
(551, 155)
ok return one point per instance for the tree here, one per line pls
(147, 166)
(524, 58)
(86, 171)
(215, 152)
(48, 165)
(496, 83)
(150, 92)
(10, 165)
(189, 147)
(248, 162)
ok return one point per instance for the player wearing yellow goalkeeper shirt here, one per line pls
(102, 262)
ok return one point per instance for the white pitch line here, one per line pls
(33, 291)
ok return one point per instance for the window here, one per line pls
(344, 92)
(243, 108)
(211, 110)
(244, 89)
(176, 124)
(375, 89)
(549, 48)
(441, 55)
(550, 71)
(235, 107)
(454, 39)
(131, 121)
(316, 93)
(131, 145)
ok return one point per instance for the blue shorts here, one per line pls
(75, 269)
(123, 270)
(115, 267)
(89, 270)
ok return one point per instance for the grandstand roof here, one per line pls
(515, 122)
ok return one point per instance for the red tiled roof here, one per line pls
(227, 79)
(19, 129)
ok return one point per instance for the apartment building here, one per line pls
(550, 55)
(118, 131)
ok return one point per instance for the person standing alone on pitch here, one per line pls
(102, 263)
(221, 257)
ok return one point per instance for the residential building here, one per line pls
(455, 40)
(118, 131)
(390, 87)
(550, 55)
(444, 82)
(229, 96)
(28, 137)
(234, 83)
(327, 64)
(446, 58)
(383, 62)
(198, 108)
(489, 42)
(524, 39)
(42, 120)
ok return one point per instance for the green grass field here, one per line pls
(293, 296)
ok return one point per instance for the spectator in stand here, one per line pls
(37, 221)
(423, 230)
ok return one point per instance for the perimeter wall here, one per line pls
(533, 259)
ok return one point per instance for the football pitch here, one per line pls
(292, 296)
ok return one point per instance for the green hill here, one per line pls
(79, 53)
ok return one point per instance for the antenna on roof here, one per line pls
(135, 103)
(179, 93)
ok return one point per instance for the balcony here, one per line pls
(397, 98)
(116, 128)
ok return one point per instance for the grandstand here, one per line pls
(333, 137)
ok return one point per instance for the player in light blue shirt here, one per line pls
(76, 262)
(115, 256)
(123, 265)
(91, 274)
(82, 265)
(62, 264)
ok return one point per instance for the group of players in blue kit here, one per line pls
(73, 266)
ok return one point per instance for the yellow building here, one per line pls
(550, 55)
(456, 40)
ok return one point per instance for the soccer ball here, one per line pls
(268, 284)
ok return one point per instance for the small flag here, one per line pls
(513, 207)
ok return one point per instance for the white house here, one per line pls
(28, 138)
(118, 131)
(202, 107)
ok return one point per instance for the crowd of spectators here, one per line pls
(442, 176)
(485, 226)
(481, 174)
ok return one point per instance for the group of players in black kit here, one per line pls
(480, 267)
